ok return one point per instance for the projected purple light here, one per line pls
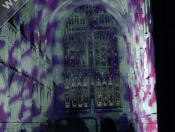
(26, 74)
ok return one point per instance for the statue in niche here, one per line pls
(79, 101)
(99, 104)
(91, 82)
(109, 59)
(103, 48)
(104, 84)
(73, 93)
(73, 85)
(117, 93)
(72, 75)
(85, 86)
(92, 87)
(99, 100)
(66, 80)
(79, 94)
(79, 85)
(97, 59)
(84, 60)
(66, 60)
(85, 83)
(110, 100)
(98, 83)
(103, 59)
(85, 101)
(115, 59)
(110, 83)
(78, 47)
(67, 90)
(72, 61)
(90, 59)
(104, 92)
(97, 51)
(110, 89)
(71, 48)
(90, 73)
(74, 104)
(108, 46)
(67, 99)
(78, 60)
(90, 45)
(85, 92)
(104, 99)
(118, 99)
(117, 86)
(67, 94)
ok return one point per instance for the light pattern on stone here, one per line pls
(29, 64)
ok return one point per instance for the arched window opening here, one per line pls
(91, 74)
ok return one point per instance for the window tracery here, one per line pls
(90, 60)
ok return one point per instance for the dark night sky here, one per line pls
(164, 40)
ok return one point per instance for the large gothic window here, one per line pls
(91, 74)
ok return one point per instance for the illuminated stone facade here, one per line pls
(41, 64)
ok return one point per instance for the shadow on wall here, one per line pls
(77, 125)
(122, 123)
(80, 125)
(108, 125)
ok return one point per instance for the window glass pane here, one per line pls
(90, 60)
